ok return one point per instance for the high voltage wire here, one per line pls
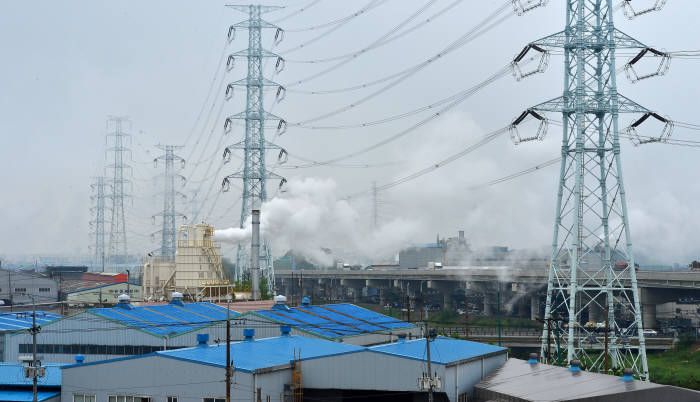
(297, 12)
(501, 73)
(464, 39)
(372, 4)
(378, 44)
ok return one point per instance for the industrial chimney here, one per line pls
(255, 255)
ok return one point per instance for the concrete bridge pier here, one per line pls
(446, 288)
(381, 285)
(534, 306)
(356, 285)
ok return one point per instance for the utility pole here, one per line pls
(375, 205)
(498, 312)
(466, 316)
(34, 370)
(169, 215)
(592, 244)
(254, 144)
(117, 183)
(430, 368)
(228, 347)
(99, 188)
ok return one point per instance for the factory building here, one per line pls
(17, 321)
(106, 293)
(19, 287)
(288, 367)
(15, 387)
(446, 251)
(523, 381)
(195, 271)
(342, 322)
(123, 330)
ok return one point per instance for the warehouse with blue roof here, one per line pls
(21, 320)
(276, 368)
(15, 387)
(123, 330)
(341, 322)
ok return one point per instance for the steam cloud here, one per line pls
(310, 219)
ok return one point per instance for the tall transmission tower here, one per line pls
(254, 144)
(99, 188)
(376, 201)
(592, 266)
(118, 183)
(169, 215)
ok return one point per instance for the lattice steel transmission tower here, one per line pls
(254, 144)
(592, 268)
(169, 214)
(118, 182)
(99, 190)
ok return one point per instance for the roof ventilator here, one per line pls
(305, 301)
(541, 130)
(522, 6)
(627, 375)
(574, 366)
(280, 303)
(631, 13)
(665, 132)
(123, 302)
(79, 359)
(663, 67)
(248, 334)
(518, 62)
(176, 299)
(285, 330)
(202, 340)
(533, 359)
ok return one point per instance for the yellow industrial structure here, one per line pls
(195, 271)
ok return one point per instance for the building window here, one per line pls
(83, 398)
(21, 290)
(44, 289)
(172, 399)
(214, 399)
(129, 398)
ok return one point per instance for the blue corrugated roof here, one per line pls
(442, 350)
(23, 320)
(13, 374)
(168, 319)
(334, 320)
(26, 396)
(262, 353)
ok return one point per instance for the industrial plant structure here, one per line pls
(195, 270)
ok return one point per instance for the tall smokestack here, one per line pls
(255, 255)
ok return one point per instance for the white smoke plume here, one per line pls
(310, 219)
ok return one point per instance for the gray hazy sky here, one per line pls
(68, 65)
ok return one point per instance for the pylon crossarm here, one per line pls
(632, 13)
(255, 53)
(662, 68)
(247, 8)
(254, 24)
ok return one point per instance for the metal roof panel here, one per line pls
(442, 350)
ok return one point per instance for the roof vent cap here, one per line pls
(575, 366)
(402, 337)
(79, 359)
(248, 334)
(627, 375)
(280, 299)
(176, 299)
(202, 339)
(285, 330)
(124, 302)
(305, 301)
(532, 359)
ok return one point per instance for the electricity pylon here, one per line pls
(169, 215)
(592, 266)
(254, 144)
(99, 188)
(118, 183)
